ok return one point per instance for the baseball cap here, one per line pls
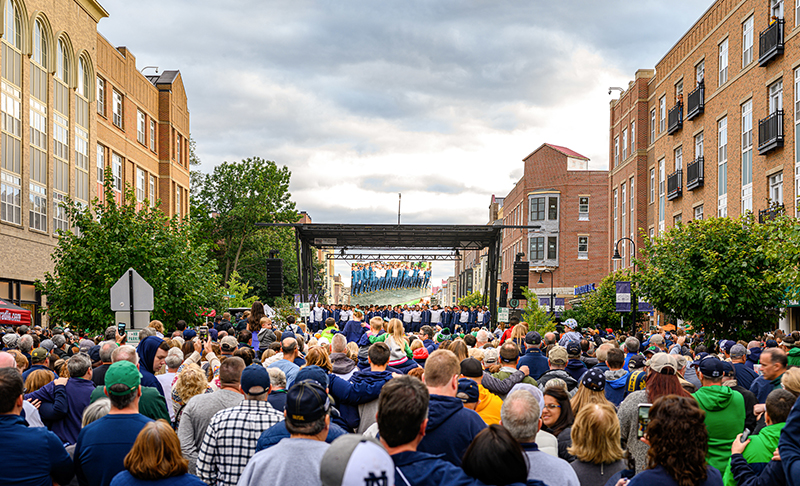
(471, 368)
(594, 379)
(727, 368)
(728, 346)
(39, 354)
(682, 361)
(314, 373)
(737, 351)
(711, 366)
(656, 339)
(771, 343)
(48, 344)
(189, 334)
(533, 338)
(699, 358)
(636, 362)
(468, 390)
(255, 377)
(652, 350)
(558, 355)
(355, 459)
(490, 356)
(662, 361)
(573, 349)
(86, 345)
(571, 323)
(306, 401)
(122, 373)
(228, 343)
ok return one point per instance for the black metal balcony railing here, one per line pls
(770, 132)
(770, 43)
(771, 213)
(696, 102)
(674, 185)
(675, 118)
(694, 174)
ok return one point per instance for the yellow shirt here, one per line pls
(489, 406)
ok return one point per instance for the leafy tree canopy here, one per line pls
(472, 300)
(537, 318)
(237, 293)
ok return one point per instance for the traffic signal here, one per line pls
(503, 294)
(274, 277)
(520, 279)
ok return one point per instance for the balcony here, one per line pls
(694, 174)
(674, 185)
(771, 213)
(770, 43)
(770, 132)
(675, 118)
(696, 103)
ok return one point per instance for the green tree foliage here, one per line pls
(722, 275)
(241, 291)
(599, 308)
(108, 239)
(537, 318)
(472, 300)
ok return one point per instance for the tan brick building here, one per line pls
(568, 202)
(706, 134)
(73, 107)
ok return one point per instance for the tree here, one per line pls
(474, 299)
(238, 292)
(230, 201)
(537, 318)
(599, 308)
(108, 239)
(721, 274)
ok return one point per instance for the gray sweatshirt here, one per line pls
(279, 464)
(196, 417)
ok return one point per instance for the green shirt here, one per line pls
(151, 403)
(759, 450)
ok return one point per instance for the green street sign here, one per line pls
(513, 303)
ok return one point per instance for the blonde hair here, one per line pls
(191, 381)
(596, 434)
(268, 354)
(398, 333)
(37, 379)
(791, 381)
(22, 361)
(416, 344)
(519, 331)
(376, 323)
(585, 396)
(317, 355)
(352, 351)
(476, 353)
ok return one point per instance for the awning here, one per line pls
(14, 315)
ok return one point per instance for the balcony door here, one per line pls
(776, 96)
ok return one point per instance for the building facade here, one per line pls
(74, 108)
(706, 134)
(566, 204)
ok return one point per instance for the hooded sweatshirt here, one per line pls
(418, 468)
(724, 421)
(789, 446)
(265, 338)
(353, 331)
(759, 450)
(753, 357)
(576, 368)
(616, 382)
(571, 382)
(451, 428)
(489, 406)
(147, 353)
(363, 387)
(342, 365)
(794, 356)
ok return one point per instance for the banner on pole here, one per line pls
(623, 296)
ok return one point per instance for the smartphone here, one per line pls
(644, 418)
(203, 331)
(745, 434)
(121, 327)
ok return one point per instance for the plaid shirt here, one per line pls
(230, 441)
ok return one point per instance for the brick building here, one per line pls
(62, 80)
(568, 202)
(705, 134)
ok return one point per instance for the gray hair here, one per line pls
(338, 343)
(125, 353)
(146, 332)
(95, 411)
(59, 340)
(278, 377)
(111, 333)
(520, 415)
(483, 336)
(107, 348)
(26, 343)
(173, 361)
(632, 344)
(78, 365)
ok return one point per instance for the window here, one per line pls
(101, 163)
(178, 148)
(583, 208)
(60, 222)
(552, 208)
(117, 108)
(537, 249)
(10, 104)
(698, 212)
(662, 114)
(101, 96)
(776, 9)
(140, 127)
(679, 158)
(723, 62)
(662, 185)
(116, 171)
(678, 90)
(633, 135)
(623, 204)
(652, 186)
(537, 209)
(747, 41)
(776, 188)
(583, 248)
(152, 194)
(700, 71)
(722, 171)
(10, 198)
(747, 156)
(652, 125)
(698, 145)
(81, 164)
(140, 178)
(616, 151)
(651, 232)
(38, 208)
(152, 135)
(677, 219)
(552, 247)
(178, 201)
(624, 143)
(776, 96)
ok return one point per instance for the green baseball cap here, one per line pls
(124, 373)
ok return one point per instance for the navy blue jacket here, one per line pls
(789, 446)
(34, 455)
(422, 469)
(745, 475)
(69, 402)
(576, 368)
(34, 368)
(365, 387)
(430, 345)
(147, 353)
(278, 432)
(745, 376)
(353, 331)
(761, 387)
(535, 361)
(451, 428)
(658, 476)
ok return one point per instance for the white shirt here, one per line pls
(436, 316)
(166, 385)
(317, 313)
(416, 316)
(406, 316)
(464, 316)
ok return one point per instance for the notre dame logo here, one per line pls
(373, 480)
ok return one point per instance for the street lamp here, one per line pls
(617, 257)
(552, 306)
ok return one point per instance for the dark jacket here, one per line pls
(341, 363)
(353, 331)
(151, 403)
(753, 358)
(278, 432)
(569, 380)
(762, 387)
(658, 476)
(99, 375)
(371, 382)
(430, 345)
(535, 361)
(422, 469)
(749, 403)
(744, 375)
(147, 353)
(41, 367)
(451, 428)
(575, 368)
(789, 446)
(69, 402)
(38, 454)
(744, 474)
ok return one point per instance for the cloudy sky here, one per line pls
(437, 100)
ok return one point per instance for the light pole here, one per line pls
(552, 303)
(617, 257)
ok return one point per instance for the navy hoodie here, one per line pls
(147, 353)
(353, 331)
(418, 468)
(430, 345)
(789, 446)
(363, 387)
(575, 368)
(451, 428)
(535, 361)
(753, 357)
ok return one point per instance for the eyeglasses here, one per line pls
(552, 406)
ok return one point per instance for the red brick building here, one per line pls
(568, 202)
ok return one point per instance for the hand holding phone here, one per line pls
(121, 328)
(643, 418)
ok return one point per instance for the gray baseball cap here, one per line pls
(352, 459)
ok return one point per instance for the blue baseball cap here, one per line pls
(306, 401)
(468, 390)
(314, 373)
(711, 366)
(255, 380)
(189, 334)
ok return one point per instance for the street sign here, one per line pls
(131, 286)
(133, 338)
(513, 303)
(305, 309)
(502, 314)
(141, 319)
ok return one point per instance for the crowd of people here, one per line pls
(372, 402)
(377, 276)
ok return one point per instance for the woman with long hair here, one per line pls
(37, 379)
(317, 356)
(595, 444)
(590, 390)
(156, 458)
(678, 444)
(189, 381)
(518, 336)
(459, 347)
(557, 419)
(662, 380)
(400, 356)
(254, 322)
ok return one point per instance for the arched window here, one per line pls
(39, 44)
(11, 142)
(62, 62)
(83, 78)
(12, 25)
(82, 133)
(61, 145)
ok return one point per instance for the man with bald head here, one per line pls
(29, 412)
(286, 364)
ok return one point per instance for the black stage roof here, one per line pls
(411, 236)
